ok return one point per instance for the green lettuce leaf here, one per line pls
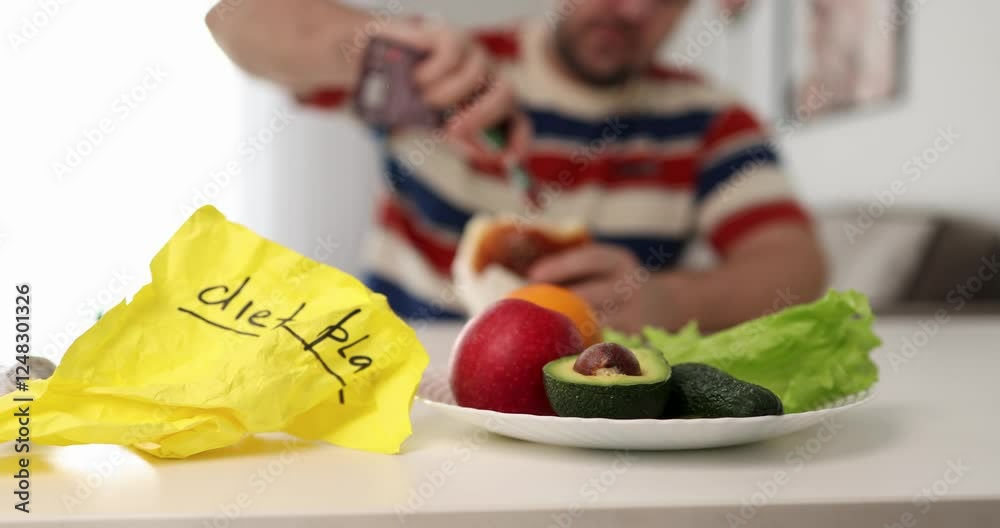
(809, 355)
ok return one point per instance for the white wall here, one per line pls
(954, 82)
(953, 79)
(313, 188)
(84, 241)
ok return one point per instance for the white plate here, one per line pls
(602, 433)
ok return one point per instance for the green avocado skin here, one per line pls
(618, 402)
(617, 397)
(702, 391)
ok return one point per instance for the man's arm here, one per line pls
(770, 269)
(296, 43)
(309, 46)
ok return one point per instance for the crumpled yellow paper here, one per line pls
(234, 335)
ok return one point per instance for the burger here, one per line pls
(496, 254)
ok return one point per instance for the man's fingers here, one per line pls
(474, 148)
(447, 53)
(460, 84)
(410, 33)
(468, 126)
(518, 138)
(471, 145)
(488, 110)
(575, 264)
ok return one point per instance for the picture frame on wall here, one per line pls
(841, 56)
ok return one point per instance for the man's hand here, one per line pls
(303, 45)
(774, 267)
(310, 45)
(623, 295)
(458, 76)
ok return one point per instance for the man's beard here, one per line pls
(567, 54)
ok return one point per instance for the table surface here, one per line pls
(923, 452)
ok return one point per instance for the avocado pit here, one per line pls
(607, 359)
(608, 381)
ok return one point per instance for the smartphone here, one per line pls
(387, 97)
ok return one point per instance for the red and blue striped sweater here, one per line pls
(651, 166)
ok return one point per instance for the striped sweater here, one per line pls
(650, 166)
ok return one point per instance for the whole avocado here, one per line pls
(702, 391)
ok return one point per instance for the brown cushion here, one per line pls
(958, 266)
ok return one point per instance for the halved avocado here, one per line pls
(609, 392)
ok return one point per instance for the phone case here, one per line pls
(387, 96)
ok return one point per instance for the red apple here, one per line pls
(498, 357)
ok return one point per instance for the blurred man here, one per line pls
(650, 158)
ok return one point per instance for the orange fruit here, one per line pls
(564, 301)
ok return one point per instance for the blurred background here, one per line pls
(120, 118)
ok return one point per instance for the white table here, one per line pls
(941, 407)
